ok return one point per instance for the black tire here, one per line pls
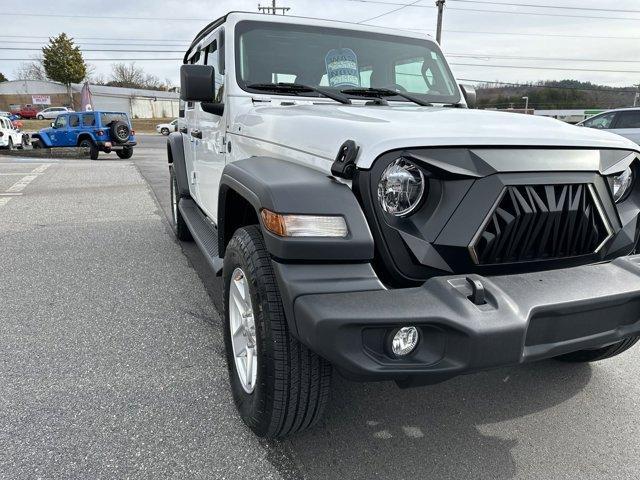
(39, 117)
(10, 145)
(86, 143)
(125, 153)
(36, 144)
(597, 354)
(120, 132)
(179, 225)
(293, 383)
(164, 131)
(24, 142)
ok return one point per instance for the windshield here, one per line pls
(339, 59)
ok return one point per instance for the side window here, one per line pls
(215, 58)
(89, 120)
(74, 121)
(601, 121)
(61, 122)
(629, 119)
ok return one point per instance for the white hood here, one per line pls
(319, 130)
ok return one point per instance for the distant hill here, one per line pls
(564, 94)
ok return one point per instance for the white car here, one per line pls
(52, 113)
(362, 217)
(167, 128)
(10, 137)
(623, 121)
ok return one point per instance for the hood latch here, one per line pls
(344, 165)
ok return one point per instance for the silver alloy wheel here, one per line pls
(243, 330)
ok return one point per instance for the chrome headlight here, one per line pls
(401, 188)
(621, 184)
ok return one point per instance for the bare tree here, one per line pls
(32, 70)
(132, 76)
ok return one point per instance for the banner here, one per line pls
(41, 100)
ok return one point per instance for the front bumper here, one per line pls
(526, 317)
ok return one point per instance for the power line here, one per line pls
(96, 50)
(122, 44)
(542, 14)
(545, 68)
(101, 17)
(559, 35)
(557, 7)
(412, 5)
(101, 59)
(517, 57)
(99, 38)
(390, 12)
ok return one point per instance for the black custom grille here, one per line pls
(538, 222)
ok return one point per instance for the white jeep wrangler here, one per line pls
(363, 218)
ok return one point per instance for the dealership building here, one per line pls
(138, 103)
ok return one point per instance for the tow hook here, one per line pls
(344, 165)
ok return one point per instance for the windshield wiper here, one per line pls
(297, 88)
(384, 92)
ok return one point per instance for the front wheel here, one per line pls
(596, 354)
(125, 153)
(40, 117)
(279, 386)
(164, 131)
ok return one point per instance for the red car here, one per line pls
(27, 111)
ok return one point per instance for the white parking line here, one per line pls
(16, 188)
(14, 173)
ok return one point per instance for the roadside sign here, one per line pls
(41, 99)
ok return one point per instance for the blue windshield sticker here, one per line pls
(342, 68)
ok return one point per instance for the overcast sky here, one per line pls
(174, 23)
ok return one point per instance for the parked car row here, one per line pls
(31, 112)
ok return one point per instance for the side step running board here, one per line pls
(204, 232)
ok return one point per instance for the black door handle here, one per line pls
(196, 133)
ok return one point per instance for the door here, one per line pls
(58, 135)
(189, 137)
(628, 125)
(211, 150)
(73, 130)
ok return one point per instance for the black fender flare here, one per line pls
(286, 187)
(175, 157)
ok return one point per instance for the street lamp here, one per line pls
(526, 104)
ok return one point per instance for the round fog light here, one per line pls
(404, 341)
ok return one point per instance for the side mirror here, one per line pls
(53, 124)
(469, 95)
(196, 83)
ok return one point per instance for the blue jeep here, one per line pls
(92, 131)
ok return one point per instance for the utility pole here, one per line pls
(440, 5)
(526, 104)
(273, 9)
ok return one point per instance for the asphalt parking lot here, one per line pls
(112, 366)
